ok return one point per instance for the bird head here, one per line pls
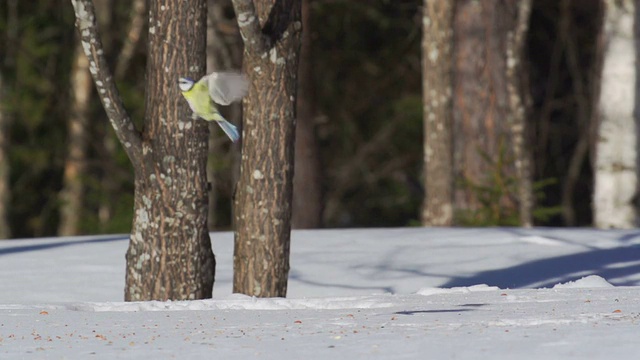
(185, 83)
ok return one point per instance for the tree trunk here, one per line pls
(490, 152)
(437, 44)
(616, 163)
(224, 52)
(109, 185)
(307, 183)
(518, 99)
(7, 117)
(169, 255)
(72, 193)
(5, 192)
(271, 33)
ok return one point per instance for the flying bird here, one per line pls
(222, 88)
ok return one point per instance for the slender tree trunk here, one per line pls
(72, 193)
(131, 42)
(109, 184)
(5, 192)
(213, 64)
(616, 163)
(307, 180)
(437, 45)
(224, 52)
(518, 101)
(6, 118)
(169, 255)
(271, 33)
(489, 111)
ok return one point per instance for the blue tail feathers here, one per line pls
(229, 129)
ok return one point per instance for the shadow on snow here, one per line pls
(53, 245)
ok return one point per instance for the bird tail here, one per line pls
(229, 129)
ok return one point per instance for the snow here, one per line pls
(501, 293)
(587, 282)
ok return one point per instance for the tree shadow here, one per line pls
(295, 276)
(618, 263)
(53, 245)
(611, 264)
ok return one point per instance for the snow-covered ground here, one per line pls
(409, 293)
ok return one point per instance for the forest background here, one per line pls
(359, 151)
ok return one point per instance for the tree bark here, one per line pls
(307, 179)
(437, 45)
(518, 103)
(616, 163)
(271, 33)
(489, 110)
(169, 255)
(72, 193)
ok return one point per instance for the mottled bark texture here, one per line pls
(271, 33)
(616, 163)
(307, 180)
(490, 148)
(169, 255)
(437, 45)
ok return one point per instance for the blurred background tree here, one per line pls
(366, 116)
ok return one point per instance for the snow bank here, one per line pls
(240, 302)
(587, 282)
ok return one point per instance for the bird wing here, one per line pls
(226, 87)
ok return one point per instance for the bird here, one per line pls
(221, 88)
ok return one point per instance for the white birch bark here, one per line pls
(616, 170)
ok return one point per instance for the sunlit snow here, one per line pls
(409, 293)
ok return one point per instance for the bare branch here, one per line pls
(86, 24)
(254, 41)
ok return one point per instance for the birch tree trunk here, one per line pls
(169, 255)
(271, 33)
(616, 164)
(72, 193)
(517, 118)
(490, 111)
(307, 184)
(437, 46)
